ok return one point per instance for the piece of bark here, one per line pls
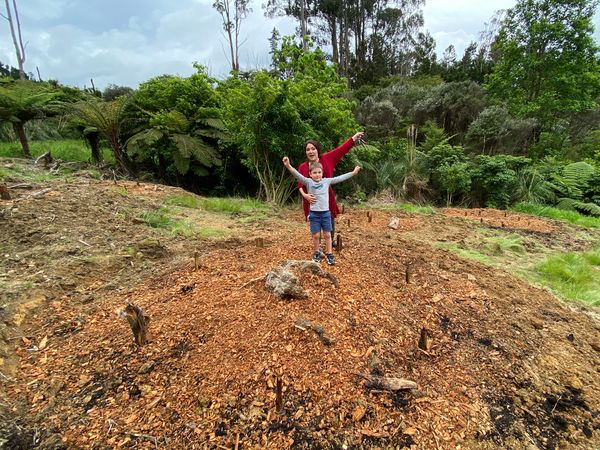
(387, 383)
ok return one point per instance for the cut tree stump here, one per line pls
(4, 193)
(339, 245)
(425, 341)
(138, 321)
(387, 383)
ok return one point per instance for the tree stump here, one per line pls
(138, 321)
(4, 193)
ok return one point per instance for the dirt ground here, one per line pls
(509, 365)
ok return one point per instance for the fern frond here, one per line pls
(139, 142)
(189, 146)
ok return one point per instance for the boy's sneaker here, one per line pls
(330, 259)
(317, 257)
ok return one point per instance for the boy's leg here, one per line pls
(316, 237)
(327, 235)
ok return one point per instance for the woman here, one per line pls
(328, 160)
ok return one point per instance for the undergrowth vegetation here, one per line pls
(574, 276)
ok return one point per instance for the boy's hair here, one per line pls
(314, 165)
(315, 143)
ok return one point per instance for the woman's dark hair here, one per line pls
(315, 143)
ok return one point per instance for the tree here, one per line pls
(181, 127)
(233, 12)
(112, 91)
(270, 117)
(22, 101)
(107, 118)
(547, 66)
(15, 30)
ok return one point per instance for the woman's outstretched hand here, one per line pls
(356, 170)
(360, 135)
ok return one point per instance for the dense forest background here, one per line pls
(515, 119)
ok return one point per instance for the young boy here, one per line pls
(320, 216)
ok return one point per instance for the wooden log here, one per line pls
(387, 383)
(196, 255)
(339, 243)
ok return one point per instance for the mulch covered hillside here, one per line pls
(507, 364)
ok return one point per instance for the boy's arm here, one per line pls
(298, 175)
(345, 176)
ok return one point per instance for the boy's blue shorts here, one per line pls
(319, 220)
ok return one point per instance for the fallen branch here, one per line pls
(253, 280)
(387, 383)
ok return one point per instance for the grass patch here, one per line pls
(467, 253)
(121, 190)
(67, 150)
(232, 205)
(500, 245)
(157, 219)
(185, 200)
(16, 173)
(217, 204)
(184, 227)
(414, 209)
(574, 276)
(559, 214)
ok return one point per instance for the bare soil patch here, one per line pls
(510, 366)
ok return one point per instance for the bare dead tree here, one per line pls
(233, 12)
(15, 31)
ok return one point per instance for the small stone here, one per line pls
(537, 324)
(147, 368)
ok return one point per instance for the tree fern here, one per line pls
(570, 204)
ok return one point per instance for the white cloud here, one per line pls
(126, 42)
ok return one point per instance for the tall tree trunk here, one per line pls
(334, 41)
(16, 36)
(303, 24)
(94, 143)
(19, 128)
(118, 153)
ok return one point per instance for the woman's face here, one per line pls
(311, 153)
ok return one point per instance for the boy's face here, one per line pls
(316, 174)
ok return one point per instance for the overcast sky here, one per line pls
(126, 42)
